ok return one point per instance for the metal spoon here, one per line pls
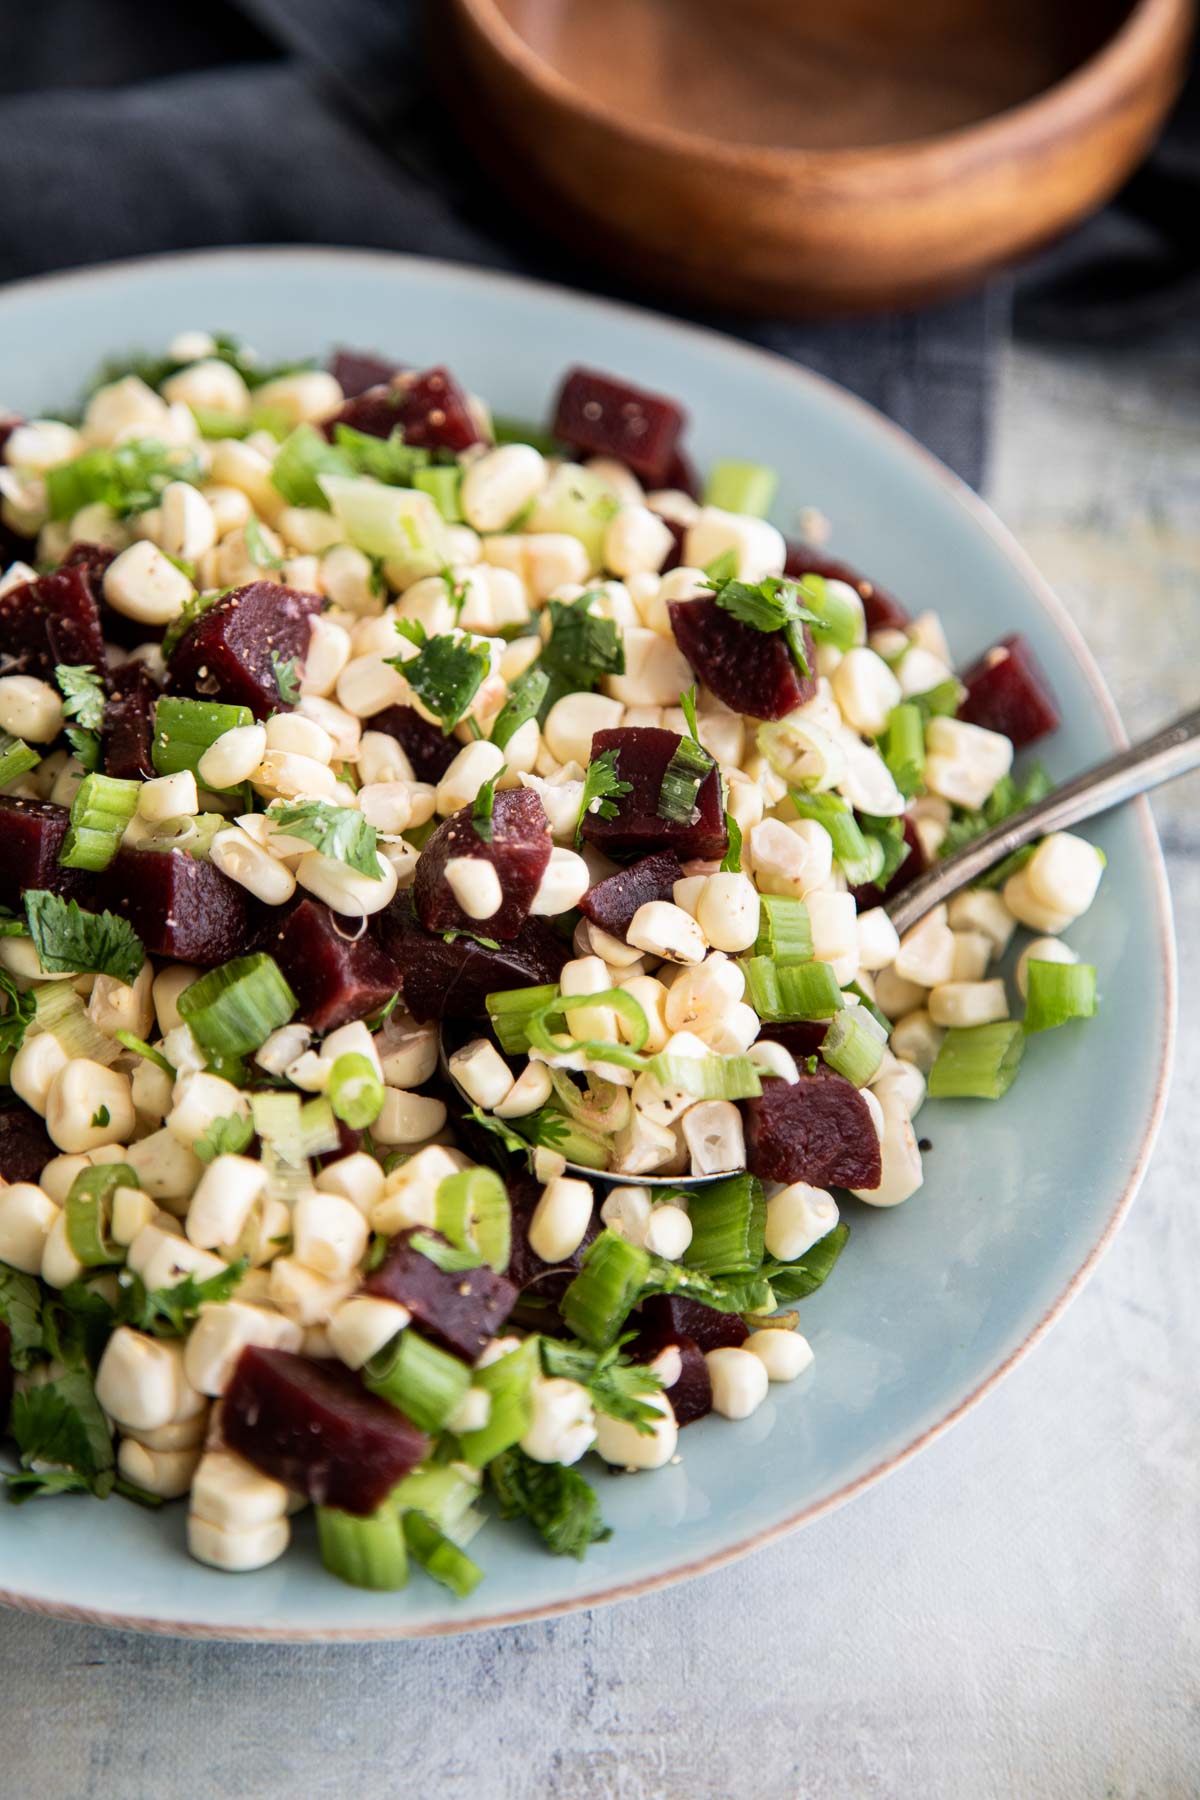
(1171, 752)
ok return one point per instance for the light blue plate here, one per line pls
(932, 1301)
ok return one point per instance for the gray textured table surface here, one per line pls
(1012, 1615)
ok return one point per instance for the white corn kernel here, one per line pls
(482, 1073)
(237, 855)
(61, 1267)
(303, 396)
(30, 709)
(866, 691)
(407, 1051)
(656, 670)
(668, 1232)
(926, 953)
(237, 1552)
(501, 484)
(783, 1354)
(348, 578)
(560, 1219)
(636, 541)
(58, 1174)
(226, 1195)
(345, 889)
(145, 585)
(169, 983)
(834, 922)
(474, 764)
(363, 1326)
(166, 1473)
(712, 1130)
(916, 1039)
(408, 1118)
(475, 884)
(798, 1217)
(187, 524)
(902, 1084)
(758, 546)
(877, 939)
(772, 1059)
(88, 1105)
(663, 929)
(124, 409)
(41, 444)
(727, 911)
(27, 1216)
(164, 1259)
(1064, 873)
(212, 385)
(300, 736)
(132, 1211)
(166, 1168)
(1028, 910)
(626, 1210)
(35, 1068)
(368, 683)
(626, 1447)
(305, 1296)
(642, 1147)
(565, 880)
(966, 1003)
(1044, 949)
(563, 1423)
(964, 762)
(896, 997)
(357, 1178)
(410, 1191)
(739, 1381)
(233, 757)
(235, 1496)
(283, 775)
(790, 858)
(651, 995)
(168, 797)
(530, 1091)
(329, 1234)
(972, 954)
(140, 1380)
(900, 1158)
(199, 1101)
(573, 721)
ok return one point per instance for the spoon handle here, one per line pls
(1171, 752)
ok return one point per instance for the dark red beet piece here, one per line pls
(914, 864)
(434, 411)
(6, 1377)
(880, 608)
(178, 905)
(612, 903)
(313, 1426)
(452, 980)
(25, 1148)
(802, 1037)
(460, 1311)
(816, 1129)
(426, 745)
(1007, 691)
(375, 410)
(129, 723)
(31, 835)
(518, 850)
(334, 975)
(232, 650)
(54, 619)
(600, 416)
(674, 556)
(691, 1394)
(669, 1319)
(93, 559)
(643, 753)
(752, 671)
(357, 370)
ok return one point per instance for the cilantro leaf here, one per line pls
(168, 1312)
(1009, 796)
(796, 1280)
(19, 1010)
(481, 811)
(229, 1135)
(616, 1384)
(154, 370)
(83, 694)
(446, 673)
(100, 1118)
(287, 679)
(731, 862)
(510, 1139)
(85, 746)
(560, 1505)
(599, 784)
(388, 459)
(336, 831)
(525, 696)
(21, 1311)
(687, 704)
(61, 1423)
(69, 940)
(456, 591)
(770, 605)
(581, 648)
(129, 478)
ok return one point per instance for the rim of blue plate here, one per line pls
(1004, 544)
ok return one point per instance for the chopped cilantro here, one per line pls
(336, 831)
(600, 782)
(192, 610)
(446, 673)
(618, 1386)
(71, 941)
(481, 811)
(100, 1118)
(456, 592)
(83, 694)
(21, 1311)
(168, 1312)
(61, 1423)
(560, 1505)
(128, 478)
(581, 648)
(19, 1009)
(525, 696)
(287, 680)
(731, 862)
(449, 1258)
(770, 605)
(687, 705)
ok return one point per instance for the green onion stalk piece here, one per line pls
(100, 812)
(602, 1295)
(440, 1556)
(852, 1047)
(682, 780)
(234, 1009)
(728, 1222)
(473, 1210)
(510, 1009)
(977, 1062)
(366, 1553)
(904, 747)
(89, 1213)
(537, 1028)
(426, 1383)
(185, 729)
(16, 758)
(707, 1077)
(1058, 992)
(839, 612)
(741, 487)
(355, 1091)
(784, 931)
(508, 1382)
(852, 851)
(785, 991)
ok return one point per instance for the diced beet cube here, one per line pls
(518, 850)
(880, 608)
(314, 1427)
(357, 370)
(682, 475)
(691, 1394)
(752, 671)
(93, 559)
(802, 1038)
(375, 410)
(129, 723)
(25, 1148)
(336, 976)
(674, 556)
(816, 1129)
(643, 753)
(536, 1279)
(54, 619)
(425, 744)
(612, 903)
(600, 416)
(234, 650)
(914, 864)
(435, 412)
(1007, 691)
(6, 1377)
(444, 980)
(461, 1311)
(669, 1319)
(179, 905)
(31, 835)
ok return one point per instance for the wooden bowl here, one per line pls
(792, 156)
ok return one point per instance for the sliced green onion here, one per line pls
(62, 1012)
(318, 1131)
(707, 1077)
(355, 1091)
(89, 1213)
(130, 1041)
(473, 1210)
(555, 1131)
(510, 1010)
(741, 487)
(445, 1492)
(425, 1383)
(367, 1553)
(440, 1556)
(234, 1009)
(850, 847)
(682, 779)
(839, 612)
(728, 1222)
(100, 811)
(783, 991)
(16, 758)
(1058, 992)
(443, 483)
(304, 455)
(904, 747)
(508, 1383)
(977, 1062)
(524, 702)
(869, 1006)
(602, 1295)
(623, 1004)
(784, 930)
(185, 729)
(851, 1047)
(940, 702)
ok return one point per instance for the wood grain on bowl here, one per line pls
(777, 158)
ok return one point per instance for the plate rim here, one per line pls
(1007, 546)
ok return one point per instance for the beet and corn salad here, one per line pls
(343, 723)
